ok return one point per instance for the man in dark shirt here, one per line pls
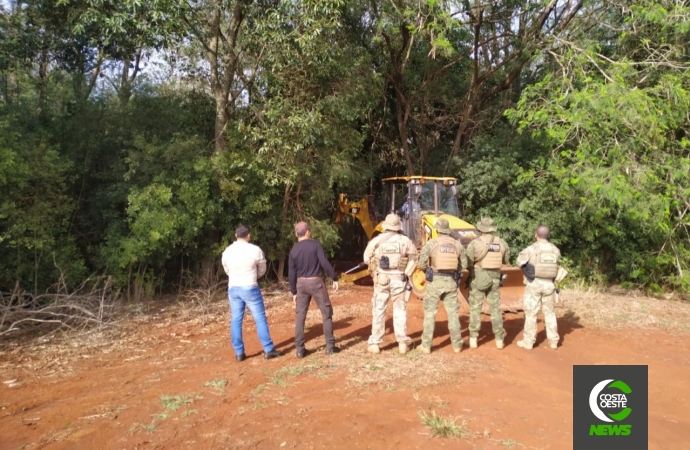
(307, 258)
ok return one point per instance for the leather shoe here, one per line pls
(241, 357)
(302, 353)
(332, 350)
(272, 354)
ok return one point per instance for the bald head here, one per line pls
(301, 229)
(542, 232)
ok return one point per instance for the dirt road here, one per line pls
(169, 380)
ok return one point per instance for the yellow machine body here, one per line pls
(433, 198)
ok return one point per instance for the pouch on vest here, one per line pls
(482, 280)
(384, 263)
(429, 274)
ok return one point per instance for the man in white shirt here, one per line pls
(245, 263)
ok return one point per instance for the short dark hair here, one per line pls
(242, 231)
(542, 232)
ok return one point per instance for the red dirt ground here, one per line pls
(101, 391)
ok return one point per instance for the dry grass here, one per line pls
(617, 309)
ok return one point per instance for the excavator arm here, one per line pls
(359, 210)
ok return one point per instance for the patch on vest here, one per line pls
(494, 247)
(388, 248)
(548, 258)
(447, 248)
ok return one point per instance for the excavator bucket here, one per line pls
(348, 279)
(512, 290)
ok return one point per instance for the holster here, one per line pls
(457, 276)
(429, 273)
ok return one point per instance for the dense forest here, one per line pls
(136, 135)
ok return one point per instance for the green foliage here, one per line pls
(136, 135)
(618, 123)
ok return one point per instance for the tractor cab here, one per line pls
(420, 201)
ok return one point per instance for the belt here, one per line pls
(444, 274)
(308, 278)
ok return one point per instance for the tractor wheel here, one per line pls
(418, 283)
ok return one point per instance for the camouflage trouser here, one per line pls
(540, 294)
(395, 289)
(442, 288)
(493, 298)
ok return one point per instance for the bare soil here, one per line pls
(106, 389)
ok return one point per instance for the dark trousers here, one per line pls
(308, 288)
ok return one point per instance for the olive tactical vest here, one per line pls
(545, 260)
(491, 255)
(444, 256)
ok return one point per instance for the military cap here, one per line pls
(442, 226)
(486, 225)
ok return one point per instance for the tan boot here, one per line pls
(402, 348)
(500, 345)
(373, 348)
(473, 342)
(554, 346)
(424, 350)
(522, 344)
(459, 349)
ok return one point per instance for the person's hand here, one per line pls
(294, 301)
(335, 286)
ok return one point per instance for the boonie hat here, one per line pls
(442, 226)
(392, 222)
(486, 225)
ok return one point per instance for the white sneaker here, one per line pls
(554, 346)
(473, 342)
(402, 348)
(500, 345)
(373, 348)
(522, 344)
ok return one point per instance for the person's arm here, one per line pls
(325, 265)
(369, 251)
(506, 255)
(469, 256)
(292, 272)
(424, 256)
(224, 261)
(260, 264)
(523, 257)
(461, 255)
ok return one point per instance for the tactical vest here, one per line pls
(545, 260)
(444, 256)
(393, 250)
(491, 255)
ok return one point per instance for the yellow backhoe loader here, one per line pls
(421, 201)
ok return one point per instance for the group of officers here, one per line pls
(392, 259)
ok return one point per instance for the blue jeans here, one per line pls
(251, 297)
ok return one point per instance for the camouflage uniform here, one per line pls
(539, 294)
(476, 295)
(389, 283)
(442, 287)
